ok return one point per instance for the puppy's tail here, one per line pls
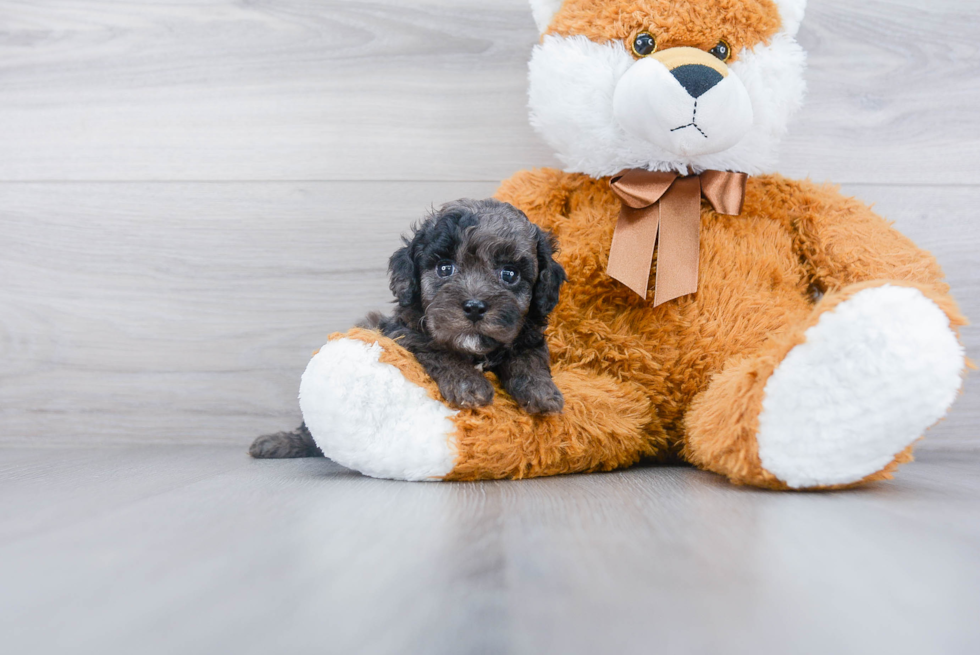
(372, 321)
(285, 445)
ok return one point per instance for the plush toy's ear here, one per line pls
(404, 281)
(550, 275)
(544, 11)
(791, 11)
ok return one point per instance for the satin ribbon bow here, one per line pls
(663, 211)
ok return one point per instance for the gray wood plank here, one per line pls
(175, 311)
(305, 557)
(892, 86)
(428, 89)
(64, 489)
(186, 312)
(291, 90)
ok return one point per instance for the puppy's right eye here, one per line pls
(510, 275)
(445, 268)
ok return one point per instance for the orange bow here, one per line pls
(666, 207)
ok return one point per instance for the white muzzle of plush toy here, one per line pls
(685, 101)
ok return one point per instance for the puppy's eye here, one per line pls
(510, 275)
(723, 51)
(445, 268)
(644, 44)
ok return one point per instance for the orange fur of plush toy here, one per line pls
(673, 22)
(605, 424)
(686, 379)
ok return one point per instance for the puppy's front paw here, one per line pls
(467, 391)
(539, 397)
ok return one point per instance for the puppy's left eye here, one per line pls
(445, 268)
(723, 51)
(510, 275)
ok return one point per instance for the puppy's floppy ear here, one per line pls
(404, 279)
(550, 275)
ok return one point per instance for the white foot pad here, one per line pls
(872, 376)
(366, 416)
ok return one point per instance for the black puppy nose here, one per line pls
(474, 309)
(697, 79)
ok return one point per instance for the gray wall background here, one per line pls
(193, 195)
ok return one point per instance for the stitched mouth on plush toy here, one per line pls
(693, 123)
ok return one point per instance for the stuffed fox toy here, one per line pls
(766, 329)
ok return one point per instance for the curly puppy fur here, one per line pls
(474, 285)
(285, 445)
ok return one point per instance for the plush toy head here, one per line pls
(666, 85)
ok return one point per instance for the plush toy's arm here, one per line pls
(541, 193)
(843, 242)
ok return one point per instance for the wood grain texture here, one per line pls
(283, 90)
(199, 550)
(186, 312)
(428, 89)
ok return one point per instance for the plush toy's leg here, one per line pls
(839, 399)
(370, 406)
(606, 424)
(366, 409)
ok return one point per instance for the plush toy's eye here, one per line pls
(510, 275)
(445, 268)
(644, 44)
(723, 51)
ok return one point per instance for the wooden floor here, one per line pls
(184, 549)
(193, 195)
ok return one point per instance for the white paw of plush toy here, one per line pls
(368, 417)
(871, 377)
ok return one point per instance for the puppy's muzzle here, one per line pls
(474, 309)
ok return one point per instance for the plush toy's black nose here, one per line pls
(474, 309)
(697, 79)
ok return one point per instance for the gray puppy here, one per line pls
(474, 286)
